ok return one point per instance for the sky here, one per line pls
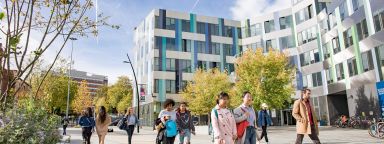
(105, 54)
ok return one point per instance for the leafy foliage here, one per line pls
(202, 92)
(268, 77)
(83, 98)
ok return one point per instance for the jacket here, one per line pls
(261, 119)
(224, 125)
(300, 113)
(239, 117)
(137, 122)
(85, 121)
(102, 128)
(181, 124)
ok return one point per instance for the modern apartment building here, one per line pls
(94, 81)
(336, 46)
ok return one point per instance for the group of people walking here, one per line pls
(240, 126)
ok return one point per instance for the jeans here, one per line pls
(313, 136)
(170, 140)
(87, 133)
(250, 136)
(264, 133)
(64, 129)
(185, 137)
(130, 130)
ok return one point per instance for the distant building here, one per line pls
(94, 81)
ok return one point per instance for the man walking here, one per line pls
(245, 112)
(306, 121)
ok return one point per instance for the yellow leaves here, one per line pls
(82, 99)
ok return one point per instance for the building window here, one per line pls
(230, 67)
(307, 35)
(186, 25)
(245, 32)
(362, 30)
(214, 65)
(156, 86)
(270, 44)
(356, 4)
(336, 45)
(227, 31)
(343, 10)
(304, 14)
(156, 64)
(170, 86)
(367, 61)
(228, 50)
(329, 76)
(256, 29)
(171, 44)
(216, 48)
(286, 42)
(186, 66)
(170, 23)
(379, 21)
(348, 38)
(317, 79)
(269, 26)
(326, 51)
(352, 66)
(186, 45)
(158, 42)
(170, 64)
(200, 27)
(285, 22)
(202, 65)
(305, 81)
(339, 71)
(310, 57)
(381, 55)
(214, 29)
(200, 46)
(332, 20)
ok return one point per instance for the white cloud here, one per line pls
(244, 9)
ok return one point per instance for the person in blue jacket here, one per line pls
(264, 120)
(87, 123)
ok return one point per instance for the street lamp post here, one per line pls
(137, 91)
(69, 78)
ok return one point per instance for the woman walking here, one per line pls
(132, 121)
(102, 122)
(184, 124)
(223, 122)
(87, 124)
(167, 123)
(264, 120)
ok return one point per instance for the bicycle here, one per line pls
(376, 130)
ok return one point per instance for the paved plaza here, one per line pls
(277, 135)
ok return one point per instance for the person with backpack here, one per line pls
(223, 122)
(184, 124)
(168, 113)
(87, 124)
(245, 118)
(264, 120)
(65, 123)
(103, 120)
(131, 122)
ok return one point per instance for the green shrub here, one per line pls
(30, 124)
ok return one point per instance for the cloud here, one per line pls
(243, 9)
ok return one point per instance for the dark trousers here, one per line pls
(250, 136)
(130, 130)
(170, 140)
(313, 136)
(264, 133)
(64, 129)
(87, 133)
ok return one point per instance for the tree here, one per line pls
(83, 98)
(125, 102)
(202, 91)
(50, 23)
(120, 90)
(268, 77)
(100, 98)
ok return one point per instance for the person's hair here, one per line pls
(128, 111)
(102, 114)
(83, 113)
(89, 112)
(305, 90)
(184, 103)
(245, 93)
(169, 102)
(222, 95)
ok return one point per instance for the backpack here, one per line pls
(217, 116)
(170, 128)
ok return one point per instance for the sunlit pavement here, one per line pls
(277, 135)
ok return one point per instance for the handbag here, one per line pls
(122, 124)
(241, 126)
